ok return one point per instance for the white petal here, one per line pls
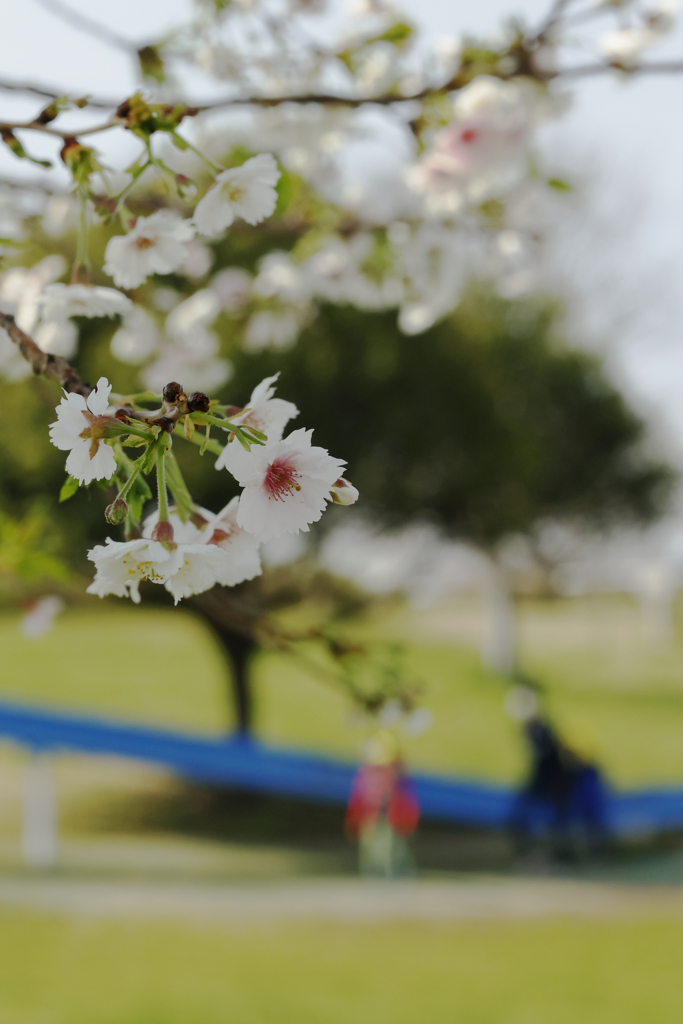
(213, 213)
(98, 400)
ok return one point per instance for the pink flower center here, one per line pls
(281, 479)
(222, 534)
(469, 135)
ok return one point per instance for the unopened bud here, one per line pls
(198, 402)
(165, 423)
(163, 532)
(116, 512)
(343, 493)
(171, 392)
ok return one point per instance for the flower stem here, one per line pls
(178, 488)
(212, 446)
(134, 474)
(130, 428)
(161, 481)
(81, 270)
(216, 168)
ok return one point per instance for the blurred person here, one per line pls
(383, 810)
(563, 803)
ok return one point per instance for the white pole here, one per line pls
(498, 634)
(39, 817)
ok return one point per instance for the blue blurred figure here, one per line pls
(563, 804)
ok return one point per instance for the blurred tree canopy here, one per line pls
(483, 425)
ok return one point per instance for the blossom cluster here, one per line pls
(286, 484)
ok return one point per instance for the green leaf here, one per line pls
(151, 63)
(69, 488)
(559, 185)
(398, 34)
(178, 141)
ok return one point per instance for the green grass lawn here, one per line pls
(85, 971)
(604, 683)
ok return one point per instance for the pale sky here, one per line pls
(632, 129)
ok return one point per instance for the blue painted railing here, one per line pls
(263, 768)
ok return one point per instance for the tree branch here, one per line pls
(83, 23)
(44, 364)
(52, 92)
(38, 126)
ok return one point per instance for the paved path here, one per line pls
(353, 900)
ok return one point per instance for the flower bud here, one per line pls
(343, 493)
(163, 532)
(171, 392)
(116, 512)
(198, 402)
(165, 422)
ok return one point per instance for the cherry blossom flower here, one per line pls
(183, 568)
(286, 486)
(241, 549)
(122, 566)
(156, 245)
(60, 301)
(482, 151)
(89, 457)
(264, 412)
(234, 553)
(247, 192)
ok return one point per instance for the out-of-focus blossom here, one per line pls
(279, 276)
(13, 366)
(199, 310)
(58, 337)
(60, 301)
(233, 288)
(272, 329)
(247, 192)
(60, 214)
(197, 262)
(40, 615)
(156, 245)
(20, 288)
(483, 151)
(137, 338)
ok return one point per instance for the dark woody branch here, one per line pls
(44, 364)
(670, 67)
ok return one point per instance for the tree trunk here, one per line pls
(232, 615)
(239, 650)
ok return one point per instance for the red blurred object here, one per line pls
(382, 790)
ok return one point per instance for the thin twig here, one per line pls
(52, 92)
(38, 126)
(44, 364)
(88, 25)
